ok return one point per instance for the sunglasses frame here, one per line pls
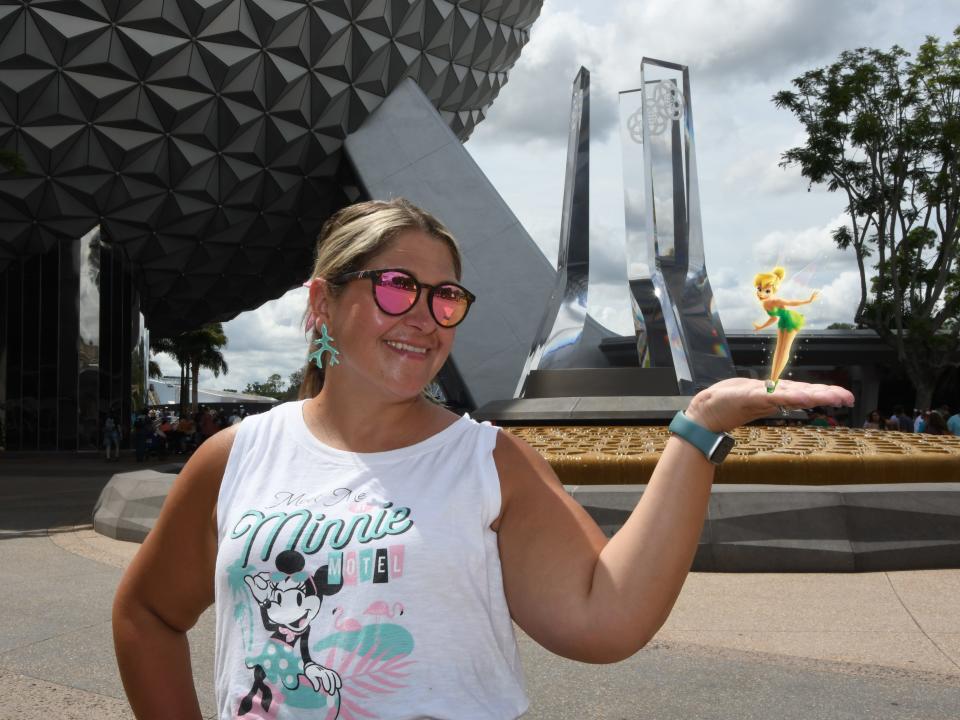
(374, 276)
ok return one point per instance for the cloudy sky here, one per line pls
(755, 214)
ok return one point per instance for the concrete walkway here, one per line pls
(872, 645)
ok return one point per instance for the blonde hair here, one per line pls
(774, 278)
(351, 237)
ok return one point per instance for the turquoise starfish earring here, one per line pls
(326, 345)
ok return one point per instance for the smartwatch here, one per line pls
(714, 446)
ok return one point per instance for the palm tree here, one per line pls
(174, 347)
(210, 358)
(193, 350)
(202, 349)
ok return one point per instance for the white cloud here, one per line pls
(609, 304)
(760, 171)
(729, 45)
(737, 40)
(809, 253)
(260, 342)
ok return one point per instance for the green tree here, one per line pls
(884, 130)
(203, 351)
(293, 385)
(193, 350)
(174, 347)
(274, 387)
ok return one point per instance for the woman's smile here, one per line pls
(406, 350)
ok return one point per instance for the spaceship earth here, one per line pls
(205, 136)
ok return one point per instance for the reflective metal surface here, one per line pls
(671, 219)
(643, 274)
(88, 342)
(139, 364)
(563, 321)
(71, 346)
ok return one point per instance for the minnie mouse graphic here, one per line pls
(289, 600)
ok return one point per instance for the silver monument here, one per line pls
(675, 316)
(563, 321)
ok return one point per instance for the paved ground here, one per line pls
(799, 646)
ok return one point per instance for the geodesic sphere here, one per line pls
(205, 136)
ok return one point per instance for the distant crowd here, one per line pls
(930, 422)
(162, 432)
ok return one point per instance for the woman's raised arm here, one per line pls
(600, 601)
(166, 588)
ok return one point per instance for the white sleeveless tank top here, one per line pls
(361, 585)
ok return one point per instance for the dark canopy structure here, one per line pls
(204, 137)
(178, 160)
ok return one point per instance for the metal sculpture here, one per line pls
(563, 320)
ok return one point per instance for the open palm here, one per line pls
(736, 401)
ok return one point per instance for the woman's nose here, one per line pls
(419, 315)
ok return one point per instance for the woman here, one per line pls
(874, 421)
(367, 548)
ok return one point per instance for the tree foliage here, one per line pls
(193, 350)
(278, 388)
(884, 129)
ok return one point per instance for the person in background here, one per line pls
(919, 420)
(936, 425)
(166, 430)
(111, 437)
(944, 411)
(819, 418)
(142, 430)
(208, 425)
(873, 421)
(186, 427)
(904, 422)
(953, 424)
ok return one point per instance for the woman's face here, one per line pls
(368, 338)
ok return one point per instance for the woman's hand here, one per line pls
(758, 326)
(813, 296)
(731, 403)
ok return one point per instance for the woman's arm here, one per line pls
(760, 326)
(591, 600)
(166, 588)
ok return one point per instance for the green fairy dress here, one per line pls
(789, 319)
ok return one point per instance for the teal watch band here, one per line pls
(714, 446)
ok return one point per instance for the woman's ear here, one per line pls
(321, 301)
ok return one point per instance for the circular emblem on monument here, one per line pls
(664, 106)
(635, 126)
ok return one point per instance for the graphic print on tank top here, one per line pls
(297, 563)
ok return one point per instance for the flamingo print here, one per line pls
(380, 609)
(342, 623)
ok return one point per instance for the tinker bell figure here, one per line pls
(789, 324)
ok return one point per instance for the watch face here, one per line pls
(724, 446)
